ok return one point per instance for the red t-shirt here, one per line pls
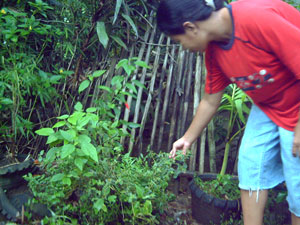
(262, 58)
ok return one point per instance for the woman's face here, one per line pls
(194, 39)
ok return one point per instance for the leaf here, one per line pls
(89, 150)
(98, 73)
(59, 124)
(78, 107)
(139, 84)
(75, 117)
(122, 63)
(52, 138)
(142, 64)
(99, 204)
(105, 88)
(119, 41)
(55, 78)
(133, 125)
(130, 21)
(102, 35)
(67, 181)
(139, 191)
(63, 117)
(91, 109)
(68, 135)
(147, 209)
(117, 10)
(116, 80)
(44, 131)
(84, 85)
(79, 162)
(84, 139)
(57, 177)
(50, 156)
(112, 198)
(67, 150)
(6, 101)
(131, 87)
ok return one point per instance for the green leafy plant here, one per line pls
(87, 178)
(223, 187)
(235, 102)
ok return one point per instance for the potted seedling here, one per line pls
(216, 196)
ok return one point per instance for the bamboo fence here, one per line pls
(175, 86)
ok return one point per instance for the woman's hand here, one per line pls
(180, 144)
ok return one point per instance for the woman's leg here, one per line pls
(259, 166)
(253, 208)
(295, 220)
(291, 168)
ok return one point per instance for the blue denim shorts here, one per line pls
(265, 158)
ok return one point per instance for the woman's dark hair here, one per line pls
(171, 14)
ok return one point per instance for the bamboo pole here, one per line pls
(156, 114)
(197, 91)
(185, 68)
(150, 93)
(211, 147)
(203, 136)
(129, 98)
(178, 93)
(139, 95)
(187, 93)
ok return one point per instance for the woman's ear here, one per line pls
(190, 27)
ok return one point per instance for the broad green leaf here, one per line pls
(119, 41)
(133, 125)
(78, 107)
(147, 209)
(102, 35)
(139, 84)
(84, 85)
(83, 121)
(6, 101)
(90, 151)
(50, 156)
(68, 135)
(57, 177)
(117, 80)
(112, 198)
(122, 63)
(79, 162)
(44, 131)
(98, 73)
(92, 109)
(59, 124)
(139, 191)
(84, 139)
(99, 205)
(142, 64)
(75, 117)
(67, 150)
(105, 88)
(117, 10)
(131, 87)
(63, 117)
(55, 78)
(106, 190)
(51, 138)
(67, 181)
(130, 21)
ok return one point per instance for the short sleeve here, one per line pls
(280, 35)
(216, 81)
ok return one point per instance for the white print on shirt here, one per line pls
(253, 81)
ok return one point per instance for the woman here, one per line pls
(255, 44)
